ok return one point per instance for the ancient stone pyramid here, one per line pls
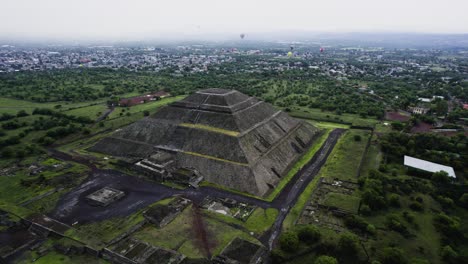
(230, 138)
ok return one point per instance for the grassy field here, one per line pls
(53, 257)
(12, 106)
(261, 220)
(79, 142)
(371, 160)
(92, 111)
(150, 106)
(381, 128)
(98, 234)
(179, 235)
(14, 209)
(331, 117)
(328, 125)
(343, 162)
(342, 201)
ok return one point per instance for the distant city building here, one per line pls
(424, 100)
(419, 110)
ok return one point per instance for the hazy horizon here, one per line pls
(121, 20)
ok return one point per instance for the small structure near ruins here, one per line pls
(331, 202)
(104, 196)
(162, 214)
(228, 207)
(240, 251)
(135, 251)
(157, 165)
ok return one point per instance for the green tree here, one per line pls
(7, 152)
(309, 233)
(393, 255)
(464, 200)
(325, 260)
(440, 177)
(394, 200)
(348, 244)
(441, 107)
(21, 113)
(449, 255)
(289, 241)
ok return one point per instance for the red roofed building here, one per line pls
(465, 106)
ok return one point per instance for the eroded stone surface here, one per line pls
(230, 138)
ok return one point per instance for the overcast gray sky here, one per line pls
(135, 19)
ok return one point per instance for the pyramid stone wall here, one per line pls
(231, 139)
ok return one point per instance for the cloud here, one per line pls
(142, 18)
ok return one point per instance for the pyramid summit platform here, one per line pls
(229, 138)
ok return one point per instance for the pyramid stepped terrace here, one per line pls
(229, 138)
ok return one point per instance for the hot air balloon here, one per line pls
(321, 50)
(290, 54)
(291, 47)
(242, 36)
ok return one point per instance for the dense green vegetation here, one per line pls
(397, 215)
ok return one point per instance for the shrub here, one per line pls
(374, 200)
(21, 113)
(325, 260)
(356, 222)
(440, 177)
(416, 206)
(7, 152)
(348, 244)
(419, 261)
(277, 256)
(309, 234)
(365, 209)
(371, 229)
(393, 223)
(357, 138)
(464, 200)
(394, 200)
(446, 202)
(146, 113)
(446, 225)
(409, 217)
(289, 241)
(449, 255)
(393, 255)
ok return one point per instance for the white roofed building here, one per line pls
(428, 166)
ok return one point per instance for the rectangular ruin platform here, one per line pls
(135, 251)
(104, 196)
(160, 215)
(240, 251)
(228, 207)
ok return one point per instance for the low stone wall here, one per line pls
(128, 233)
